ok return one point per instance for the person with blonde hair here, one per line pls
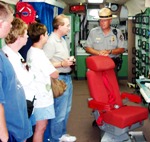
(14, 122)
(15, 40)
(6, 17)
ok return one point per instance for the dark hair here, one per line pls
(35, 30)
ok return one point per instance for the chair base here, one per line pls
(107, 137)
(137, 136)
(132, 136)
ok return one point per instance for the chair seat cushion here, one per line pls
(125, 116)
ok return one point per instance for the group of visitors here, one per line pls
(29, 79)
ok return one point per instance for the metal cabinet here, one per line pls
(81, 66)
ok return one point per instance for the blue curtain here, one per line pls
(45, 13)
(60, 10)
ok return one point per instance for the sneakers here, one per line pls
(67, 138)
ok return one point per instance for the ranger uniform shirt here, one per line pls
(99, 41)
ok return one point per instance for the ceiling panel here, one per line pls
(83, 1)
(74, 1)
(117, 1)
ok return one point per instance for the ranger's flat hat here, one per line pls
(105, 13)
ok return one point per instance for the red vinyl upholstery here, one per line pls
(125, 116)
(101, 70)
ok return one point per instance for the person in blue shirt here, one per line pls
(14, 123)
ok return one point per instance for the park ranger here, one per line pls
(106, 40)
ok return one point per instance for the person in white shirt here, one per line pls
(43, 70)
(15, 40)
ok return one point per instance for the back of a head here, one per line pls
(6, 17)
(5, 10)
(59, 21)
(35, 30)
(18, 29)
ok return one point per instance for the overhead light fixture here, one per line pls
(95, 1)
(77, 8)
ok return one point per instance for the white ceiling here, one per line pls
(83, 1)
(117, 1)
(133, 6)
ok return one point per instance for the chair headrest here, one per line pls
(99, 63)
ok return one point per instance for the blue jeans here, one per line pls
(58, 126)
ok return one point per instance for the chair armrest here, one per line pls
(98, 105)
(131, 97)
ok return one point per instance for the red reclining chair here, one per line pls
(111, 115)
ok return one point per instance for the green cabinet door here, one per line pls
(81, 66)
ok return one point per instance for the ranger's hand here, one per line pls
(104, 52)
